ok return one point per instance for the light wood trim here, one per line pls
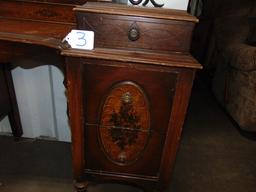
(119, 9)
(171, 60)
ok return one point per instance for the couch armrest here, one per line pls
(241, 56)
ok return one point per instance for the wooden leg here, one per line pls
(13, 115)
(81, 186)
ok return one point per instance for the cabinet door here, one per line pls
(127, 111)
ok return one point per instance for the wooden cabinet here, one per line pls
(126, 116)
(136, 32)
(127, 98)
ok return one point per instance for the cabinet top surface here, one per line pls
(120, 9)
(156, 59)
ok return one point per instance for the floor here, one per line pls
(213, 157)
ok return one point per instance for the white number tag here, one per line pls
(80, 39)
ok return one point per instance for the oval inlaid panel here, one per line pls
(124, 123)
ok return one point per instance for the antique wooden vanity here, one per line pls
(128, 97)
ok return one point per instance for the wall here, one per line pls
(41, 96)
(41, 100)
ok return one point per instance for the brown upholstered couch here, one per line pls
(233, 59)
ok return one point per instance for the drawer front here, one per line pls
(127, 115)
(127, 32)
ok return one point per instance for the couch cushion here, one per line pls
(241, 103)
(231, 41)
(236, 91)
(241, 56)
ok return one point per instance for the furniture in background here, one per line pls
(229, 56)
(8, 103)
(128, 97)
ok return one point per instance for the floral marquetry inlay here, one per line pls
(125, 123)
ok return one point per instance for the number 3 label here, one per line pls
(80, 39)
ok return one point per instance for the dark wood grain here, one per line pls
(156, 61)
(35, 28)
(164, 71)
(127, 56)
(55, 2)
(76, 116)
(104, 78)
(13, 115)
(44, 22)
(112, 31)
(37, 11)
(119, 9)
(157, 30)
(177, 117)
(166, 120)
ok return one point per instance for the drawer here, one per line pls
(32, 10)
(135, 32)
(127, 115)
